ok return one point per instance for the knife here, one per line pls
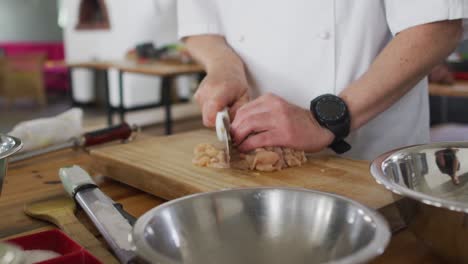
(111, 220)
(223, 131)
(119, 132)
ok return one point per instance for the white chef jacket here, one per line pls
(304, 48)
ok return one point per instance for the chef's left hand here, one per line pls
(271, 121)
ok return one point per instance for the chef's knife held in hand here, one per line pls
(223, 131)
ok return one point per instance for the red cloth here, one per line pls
(461, 75)
(56, 78)
(53, 50)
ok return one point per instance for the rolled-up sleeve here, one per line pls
(197, 17)
(403, 14)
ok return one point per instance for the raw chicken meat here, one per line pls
(206, 155)
(260, 159)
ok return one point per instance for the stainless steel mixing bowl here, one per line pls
(433, 178)
(8, 146)
(261, 225)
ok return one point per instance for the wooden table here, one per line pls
(459, 89)
(37, 179)
(444, 91)
(167, 71)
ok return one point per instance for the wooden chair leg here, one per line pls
(39, 90)
(41, 99)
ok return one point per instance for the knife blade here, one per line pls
(223, 128)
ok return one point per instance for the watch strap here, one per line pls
(340, 146)
(341, 130)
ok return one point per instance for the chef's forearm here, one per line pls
(213, 52)
(399, 67)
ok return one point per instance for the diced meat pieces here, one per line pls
(265, 160)
(206, 155)
(294, 158)
(260, 159)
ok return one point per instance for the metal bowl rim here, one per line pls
(377, 173)
(16, 147)
(375, 248)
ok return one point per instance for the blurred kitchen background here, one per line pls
(42, 41)
(39, 37)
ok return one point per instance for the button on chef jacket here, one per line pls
(304, 48)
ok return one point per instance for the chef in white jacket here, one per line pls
(312, 74)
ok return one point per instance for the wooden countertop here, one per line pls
(459, 89)
(37, 179)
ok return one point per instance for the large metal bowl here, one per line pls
(261, 225)
(8, 146)
(433, 178)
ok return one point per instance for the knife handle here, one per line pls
(220, 128)
(122, 132)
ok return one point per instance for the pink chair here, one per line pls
(56, 76)
(23, 76)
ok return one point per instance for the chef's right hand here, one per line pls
(222, 87)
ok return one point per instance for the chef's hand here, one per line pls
(271, 121)
(221, 88)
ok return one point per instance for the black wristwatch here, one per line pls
(332, 113)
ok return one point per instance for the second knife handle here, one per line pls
(122, 132)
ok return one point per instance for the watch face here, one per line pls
(330, 109)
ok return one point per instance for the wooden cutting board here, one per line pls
(163, 166)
